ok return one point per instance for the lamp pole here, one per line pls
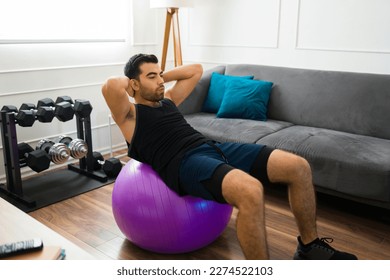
(172, 20)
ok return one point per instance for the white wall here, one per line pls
(346, 35)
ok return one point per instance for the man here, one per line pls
(189, 163)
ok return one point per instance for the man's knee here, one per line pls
(285, 167)
(302, 167)
(240, 189)
(299, 170)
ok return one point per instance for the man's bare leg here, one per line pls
(295, 171)
(246, 193)
(287, 168)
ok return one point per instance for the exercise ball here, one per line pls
(155, 218)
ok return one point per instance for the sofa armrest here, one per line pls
(194, 102)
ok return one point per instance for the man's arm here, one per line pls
(116, 91)
(187, 77)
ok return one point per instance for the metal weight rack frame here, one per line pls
(14, 187)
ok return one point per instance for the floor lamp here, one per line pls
(172, 20)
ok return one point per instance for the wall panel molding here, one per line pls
(329, 25)
(18, 82)
(59, 41)
(206, 16)
(50, 89)
(70, 67)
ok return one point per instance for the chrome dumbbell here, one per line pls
(58, 152)
(77, 147)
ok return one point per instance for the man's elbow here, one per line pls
(108, 86)
(104, 89)
(197, 70)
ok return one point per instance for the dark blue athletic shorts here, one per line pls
(203, 168)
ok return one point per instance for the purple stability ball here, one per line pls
(155, 218)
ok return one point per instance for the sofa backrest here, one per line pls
(194, 102)
(352, 102)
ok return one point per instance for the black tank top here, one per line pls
(161, 138)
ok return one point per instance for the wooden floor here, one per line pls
(87, 220)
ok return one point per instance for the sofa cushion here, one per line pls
(233, 130)
(346, 163)
(217, 90)
(245, 99)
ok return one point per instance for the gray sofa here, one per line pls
(338, 121)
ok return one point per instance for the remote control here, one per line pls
(20, 247)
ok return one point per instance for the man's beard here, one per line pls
(154, 97)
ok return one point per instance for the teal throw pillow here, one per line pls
(245, 99)
(216, 91)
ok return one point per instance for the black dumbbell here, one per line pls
(111, 166)
(82, 108)
(63, 110)
(37, 160)
(24, 118)
(77, 147)
(43, 114)
(57, 152)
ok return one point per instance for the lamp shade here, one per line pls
(170, 3)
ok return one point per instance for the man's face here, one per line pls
(151, 82)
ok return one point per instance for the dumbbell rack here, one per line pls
(11, 159)
(86, 164)
(14, 188)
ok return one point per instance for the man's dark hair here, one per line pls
(132, 67)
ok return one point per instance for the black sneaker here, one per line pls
(319, 249)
